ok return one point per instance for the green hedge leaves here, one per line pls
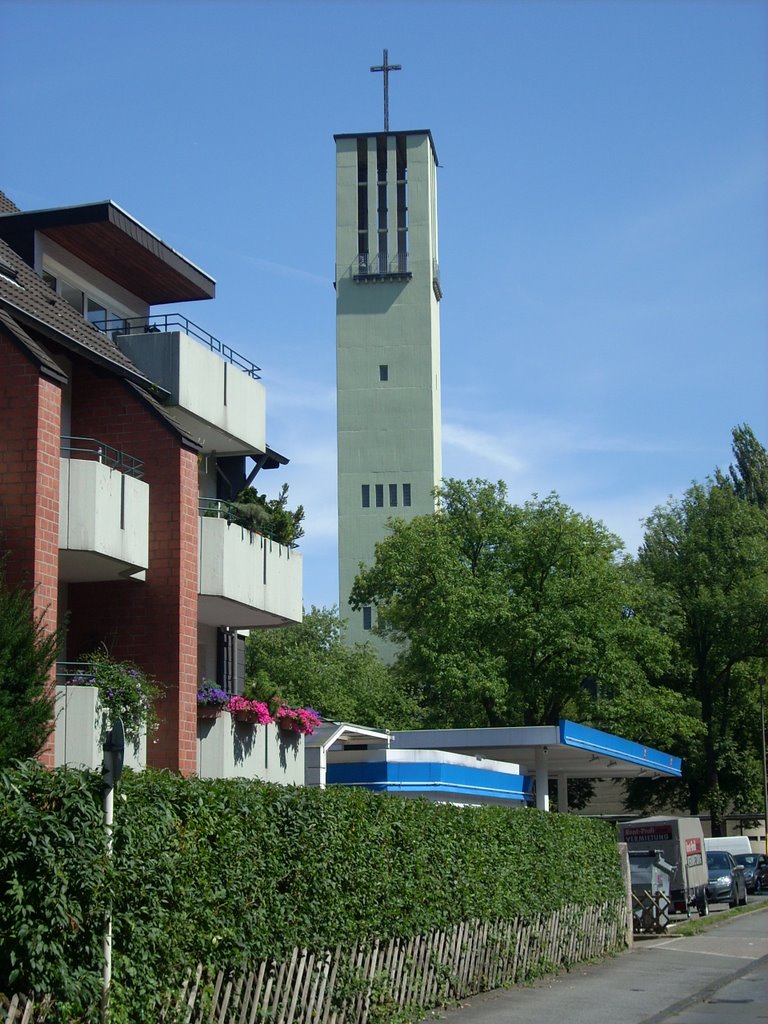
(228, 872)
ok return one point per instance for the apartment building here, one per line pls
(126, 430)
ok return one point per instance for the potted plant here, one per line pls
(211, 700)
(125, 691)
(299, 720)
(254, 712)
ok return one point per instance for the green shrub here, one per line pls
(226, 872)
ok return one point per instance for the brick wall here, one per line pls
(154, 622)
(30, 428)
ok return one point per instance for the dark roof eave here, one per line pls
(44, 361)
(40, 326)
(185, 281)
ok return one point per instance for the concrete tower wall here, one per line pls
(387, 343)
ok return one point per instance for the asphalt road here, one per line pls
(717, 977)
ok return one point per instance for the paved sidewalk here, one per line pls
(718, 977)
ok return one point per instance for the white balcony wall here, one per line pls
(246, 580)
(216, 402)
(227, 749)
(103, 522)
(80, 729)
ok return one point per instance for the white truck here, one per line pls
(731, 844)
(680, 842)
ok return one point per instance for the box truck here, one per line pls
(680, 842)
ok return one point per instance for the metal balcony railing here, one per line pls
(163, 323)
(92, 450)
(378, 264)
(75, 673)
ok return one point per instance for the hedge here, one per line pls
(226, 872)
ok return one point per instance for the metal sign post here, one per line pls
(114, 752)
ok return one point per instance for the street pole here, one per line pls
(109, 807)
(761, 681)
(112, 767)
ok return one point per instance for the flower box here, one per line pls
(229, 749)
(209, 710)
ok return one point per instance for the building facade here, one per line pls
(127, 433)
(387, 344)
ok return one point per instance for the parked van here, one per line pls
(729, 844)
(680, 841)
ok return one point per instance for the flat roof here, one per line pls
(380, 135)
(570, 749)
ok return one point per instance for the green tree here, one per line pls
(28, 650)
(708, 552)
(507, 613)
(748, 478)
(310, 665)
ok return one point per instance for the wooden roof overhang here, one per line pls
(107, 238)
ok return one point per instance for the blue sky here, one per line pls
(602, 203)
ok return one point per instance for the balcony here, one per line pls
(247, 581)
(103, 513)
(81, 723)
(380, 266)
(214, 392)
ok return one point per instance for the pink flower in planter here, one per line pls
(300, 720)
(249, 710)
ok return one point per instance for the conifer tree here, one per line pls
(27, 652)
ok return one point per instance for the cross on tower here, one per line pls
(386, 67)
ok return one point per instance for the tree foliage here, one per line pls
(309, 664)
(507, 611)
(28, 650)
(748, 478)
(708, 552)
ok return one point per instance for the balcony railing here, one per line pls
(218, 508)
(163, 323)
(381, 265)
(75, 673)
(92, 450)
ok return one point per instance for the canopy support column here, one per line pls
(542, 778)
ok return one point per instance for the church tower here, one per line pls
(387, 343)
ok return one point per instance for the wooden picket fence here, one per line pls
(372, 982)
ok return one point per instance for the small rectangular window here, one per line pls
(406, 494)
(367, 617)
(366, 488)
(393, 495)
(379, 495)
(74, 296)
(50, 280)
(383, 372)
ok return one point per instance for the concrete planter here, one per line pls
(228, 749)
(81, 725)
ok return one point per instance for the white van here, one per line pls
(729, 844)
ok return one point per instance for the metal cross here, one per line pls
(386, 67)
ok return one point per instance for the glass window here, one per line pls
(406, 494)
(73, 296)
(366, 495)
(379, 495)
(96, 313)
(50, 280)
(367, 617)
(383, 372)
(393, 495)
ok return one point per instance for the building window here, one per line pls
(50, 280)
(383, 372)
(367, 617)
(379, 495)
(366, 495)
(393, 495)
(406, 495)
